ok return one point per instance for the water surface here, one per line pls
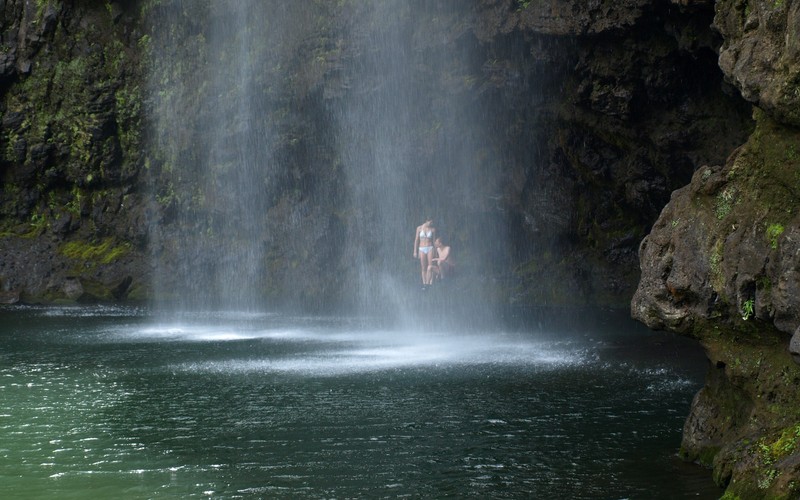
(112, 403)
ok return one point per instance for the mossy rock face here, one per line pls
(74, 116)
(760, 53)
(720, 265)
(748, 398)
(590, 140)
(70, 149)
(724, 246)
(629, 133)
(92, 270)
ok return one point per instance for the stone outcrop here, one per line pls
(721, 262)
(720, 265)
(615, 131)
(723, 246)
(761, 53)
(73, 220)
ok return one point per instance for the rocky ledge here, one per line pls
(721, 265)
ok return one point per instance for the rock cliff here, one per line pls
(72, 223)
(590, 141)
(637, 103)
(721, 263)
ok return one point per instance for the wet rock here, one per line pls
(49, 18)
(120, 291)
(65, 224)
(576, 17)
(72, 288)
(611, 100)
(13, 120)
(794, 346)
(20, 150)
(8, 63)
(24, 66)
(40, 154)
(761, 53)
(116, 11)
(9, 297)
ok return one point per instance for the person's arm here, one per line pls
(416, 241)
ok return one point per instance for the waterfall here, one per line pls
(295, 146)
(212, 132)
(414, 142)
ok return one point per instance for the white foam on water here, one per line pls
(188, 333)
(325, 346)
(369, 351)
(222, 333)
(82, 311)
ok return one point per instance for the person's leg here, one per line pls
(423, 266)
(428, 264)
(433, 272)
(444, 270)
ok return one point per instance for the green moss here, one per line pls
(786, 444)
(764, 283)
(104, 252)
(769, 451)
(724, 202)
(129, 107)
(74, 205)
(40, 6)
(38, 224)
(773, 233)
(715, 265)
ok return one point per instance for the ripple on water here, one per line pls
(365, 352)
(115, 408)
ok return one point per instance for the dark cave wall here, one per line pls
(628, 103)
(590, 141)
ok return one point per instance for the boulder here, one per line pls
(72, 288)
(794, 346)
(9, 297)
(761, 53)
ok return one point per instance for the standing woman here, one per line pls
(423, 247)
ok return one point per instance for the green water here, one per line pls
(110, 403)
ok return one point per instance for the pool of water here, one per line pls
(115, 403)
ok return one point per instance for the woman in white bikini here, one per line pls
(423, 247)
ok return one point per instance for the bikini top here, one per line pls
(422, 234)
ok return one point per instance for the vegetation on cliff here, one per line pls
(587, 145)
(70, 146)
(720, 265)
(744, 422)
